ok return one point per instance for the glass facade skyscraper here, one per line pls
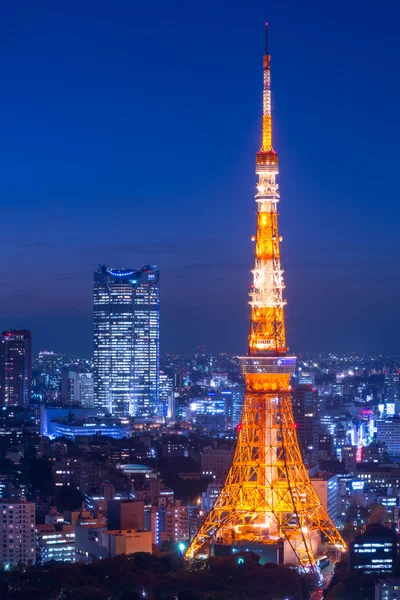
(127, 341)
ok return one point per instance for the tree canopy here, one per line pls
(157, 577)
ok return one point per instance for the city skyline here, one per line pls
(128, 133)
(68, 178)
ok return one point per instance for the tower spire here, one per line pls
(267, 498)
(267, 117)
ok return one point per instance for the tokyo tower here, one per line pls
(267, 502)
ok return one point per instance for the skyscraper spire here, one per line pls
(267, 498)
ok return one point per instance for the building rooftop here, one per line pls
(323, 476)
(126, 532)
(373, 530)
(91, 422)
(371, 466)
(135, 468)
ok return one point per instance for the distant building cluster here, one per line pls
(128, 451)
(90, 444)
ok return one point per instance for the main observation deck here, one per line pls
(267, 364)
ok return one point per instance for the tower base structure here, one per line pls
(269, 549)
(267, 499)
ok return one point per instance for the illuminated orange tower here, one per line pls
(267, 497)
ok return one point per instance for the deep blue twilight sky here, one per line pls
(129, 131)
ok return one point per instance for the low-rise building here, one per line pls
(55, 544)
(374, 551)
(178, 522)
(378, 478)
(92, 543)
(48, 414)
(110, 427)
(85, 474)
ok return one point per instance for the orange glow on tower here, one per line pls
(267, 497)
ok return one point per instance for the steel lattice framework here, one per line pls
(267, 495)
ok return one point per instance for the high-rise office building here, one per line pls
(166, 394)
(388, 431)
(86, 392)
(392, 384)
(77, 388)
(15, 368)
(305, 412)
(127, 341)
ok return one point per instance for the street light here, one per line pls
(181, 547)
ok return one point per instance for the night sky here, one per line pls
(129, 131)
